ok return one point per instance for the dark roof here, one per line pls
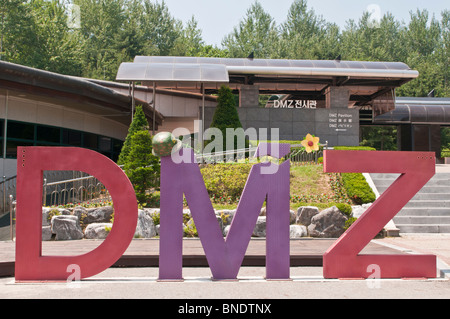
(76, 92)
(417, 111)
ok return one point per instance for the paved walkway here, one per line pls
(306, 283)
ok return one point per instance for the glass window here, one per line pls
(23, 131)
(11, 148)
(104, 144)
(72, 138)
(90, 141)
(48, 134)
(117, 146)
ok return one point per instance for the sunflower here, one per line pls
(311, 143)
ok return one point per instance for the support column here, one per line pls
(337, 97)
(249, 96)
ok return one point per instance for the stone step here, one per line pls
(429, 203)
(422, 220)
(431, 183)
(424, 190)
(410, 211)
(431, 196)
(406, 228)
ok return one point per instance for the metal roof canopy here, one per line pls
(171, 72)
(167, 74)
(365, 81)
(418, 111)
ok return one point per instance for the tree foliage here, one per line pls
(36, 33)
(140, 165)
(139, 123)
(226, 115)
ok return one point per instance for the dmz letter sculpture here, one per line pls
(31, 162)
(224, 255)
(341, 260)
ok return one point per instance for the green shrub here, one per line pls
(226, 116)
(357, 188)
(141, 166)
(139, 123)
(225, 180)
(346, 209)
(349, 222)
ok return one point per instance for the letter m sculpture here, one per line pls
(225, 255)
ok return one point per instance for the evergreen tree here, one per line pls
(226, 115)
(142, 167)
(257, 33)
(139, 123)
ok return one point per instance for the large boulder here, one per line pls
(327, 224)
(47, 233)
(97, 230)
(226, 215)
(99, 215)
(297, 231)
(66, 227)
(145, 226)
(305, 214)
(260, 227)
(357, 211)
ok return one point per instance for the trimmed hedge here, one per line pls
(357, 188)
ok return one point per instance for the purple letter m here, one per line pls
(224, 255)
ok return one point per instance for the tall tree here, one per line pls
(190, 41)
(160, 29)
(257, 33)
(302, 32)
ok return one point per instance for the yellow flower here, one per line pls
(311, 143)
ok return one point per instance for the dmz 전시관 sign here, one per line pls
(295, 104)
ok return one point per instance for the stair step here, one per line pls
(431, 196)
(406, 228)
(410, 211)
(429, 203)
(424, 190)
(429, 209)
(424, 220)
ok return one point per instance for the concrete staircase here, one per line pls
(428, 211)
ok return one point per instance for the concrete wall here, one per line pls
(35, 111)
(340, 127)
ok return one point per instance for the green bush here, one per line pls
(357, 188)
(141, 166)
(226, 116)
(139, 123)
(226, 180)
(349, 222)
(346, 209)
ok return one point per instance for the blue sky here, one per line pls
(217, 18)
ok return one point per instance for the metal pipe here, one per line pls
(11, 218)
(203, 116)
(381, 73)
(154, 108)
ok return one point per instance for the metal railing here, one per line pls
(77, 190)
(299, 155)
(232, 156)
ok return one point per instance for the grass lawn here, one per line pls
(307, 180)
